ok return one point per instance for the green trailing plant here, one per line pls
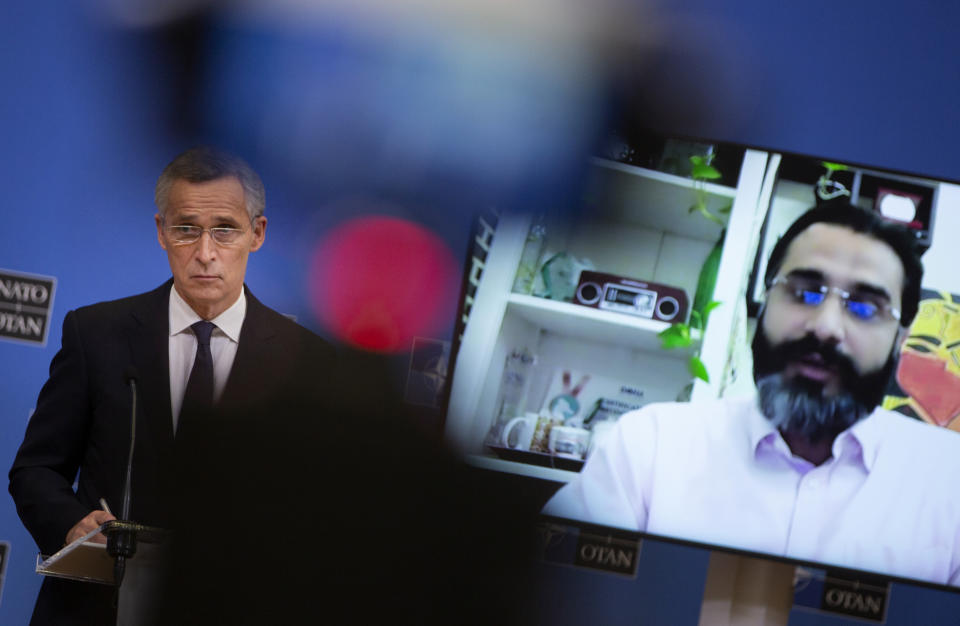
(706, 283)
(680, 335)
(701, 172)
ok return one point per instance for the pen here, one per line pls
(105, 506)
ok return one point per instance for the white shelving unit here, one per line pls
(658, 200)
(523, 469)
(573, 320)
(636, 224)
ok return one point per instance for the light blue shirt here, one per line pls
(717, 472)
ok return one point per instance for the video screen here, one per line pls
(656, 353)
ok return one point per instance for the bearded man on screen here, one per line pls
(810, 467)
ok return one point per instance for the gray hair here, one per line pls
(203, 164)
(791, 407)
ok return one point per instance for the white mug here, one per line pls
(518, 432)
(569, 442)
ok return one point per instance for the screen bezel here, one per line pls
(839, 569)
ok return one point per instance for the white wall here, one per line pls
(941, 263)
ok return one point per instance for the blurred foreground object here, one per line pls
(342, 513)
(377, 282)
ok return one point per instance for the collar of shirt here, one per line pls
(229, 322)
(855, 444)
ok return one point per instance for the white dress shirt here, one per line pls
(183, 346)
(717, 472)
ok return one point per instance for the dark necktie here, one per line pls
(198, 397)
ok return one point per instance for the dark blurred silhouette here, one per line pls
(341, 510)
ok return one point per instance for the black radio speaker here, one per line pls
(633, 297)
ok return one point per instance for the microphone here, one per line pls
(130, 376)
(122, 543)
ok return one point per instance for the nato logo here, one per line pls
(26, 302)
(613, 552)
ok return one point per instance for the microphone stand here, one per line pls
(121, 534)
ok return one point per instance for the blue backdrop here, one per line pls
(91, 110)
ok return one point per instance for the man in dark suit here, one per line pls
(200, 340)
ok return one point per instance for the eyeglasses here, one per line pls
(811, 292)
(185, 234)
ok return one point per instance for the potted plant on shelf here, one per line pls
(827, 187)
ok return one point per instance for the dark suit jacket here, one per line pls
(82, 423)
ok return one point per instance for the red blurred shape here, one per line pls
(376, 282)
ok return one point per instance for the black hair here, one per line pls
(841, 213)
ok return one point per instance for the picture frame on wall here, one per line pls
(925, 383)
